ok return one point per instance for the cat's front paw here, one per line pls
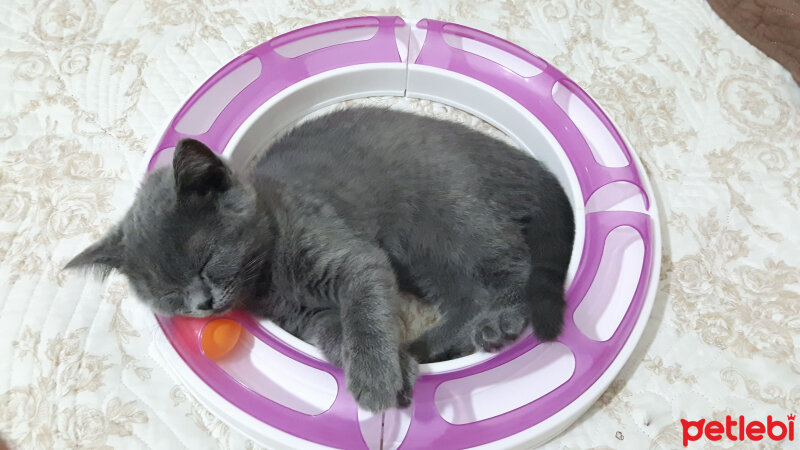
(495, 329)
(375, 381)
(378, 384)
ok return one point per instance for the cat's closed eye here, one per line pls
(203, 272)
(171, 301)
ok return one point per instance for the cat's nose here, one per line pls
(206, 305)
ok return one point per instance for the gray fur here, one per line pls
(338, 221)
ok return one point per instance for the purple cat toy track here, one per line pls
(280, 391)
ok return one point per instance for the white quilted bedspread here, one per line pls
(87, 84)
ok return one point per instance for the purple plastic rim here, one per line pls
(532, 93)
(279, 72)
(339, 426)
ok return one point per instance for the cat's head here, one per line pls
(184, 243)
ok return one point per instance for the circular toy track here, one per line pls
(280, 391)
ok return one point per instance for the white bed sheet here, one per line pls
(87, 84)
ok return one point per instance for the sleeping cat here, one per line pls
(338, 222)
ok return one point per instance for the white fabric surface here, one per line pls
(88, 84)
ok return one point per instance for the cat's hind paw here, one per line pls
(495, 329)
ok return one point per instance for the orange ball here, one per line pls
(219, 337)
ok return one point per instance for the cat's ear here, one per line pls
(198, 170)
(102, 256)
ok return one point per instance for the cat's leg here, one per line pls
(323, 329)
(447, 339)
(472, 325)
(354, 280)
(527, 281)
(550, 240)
(339, 271)
(458, 299)
(379, 375)
(504, 273)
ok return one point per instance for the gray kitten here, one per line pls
(337, 221)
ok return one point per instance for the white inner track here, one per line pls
(400, 79)
(276, 115)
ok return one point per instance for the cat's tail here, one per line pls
(550, 236)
